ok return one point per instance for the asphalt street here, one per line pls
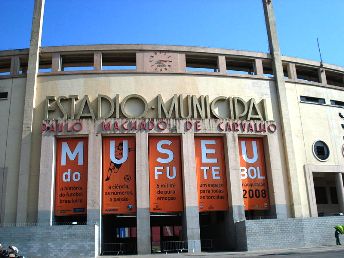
(323, 254)
(315, 252)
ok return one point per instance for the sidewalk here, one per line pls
(294, 251)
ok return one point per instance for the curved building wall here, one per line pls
(314, 102)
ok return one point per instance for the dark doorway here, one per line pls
(214, 229)
(118, 235)
(326, 194)
(70, 220)
(167, 233)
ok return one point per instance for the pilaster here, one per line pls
(47, 180)
(258, 67)
(340, 191)
(94, 178)
(191, 213)
(142, 194)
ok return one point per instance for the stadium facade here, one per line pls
(110, 149)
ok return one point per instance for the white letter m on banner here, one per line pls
(79, 149)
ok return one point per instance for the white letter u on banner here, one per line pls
(124, 151)
(244, 152)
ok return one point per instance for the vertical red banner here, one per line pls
(71, 176)
(165, 175)
(211, 174)
(119, 179)
(253, 174)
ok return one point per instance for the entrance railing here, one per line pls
(118, 248)
(207, 244)
(174, 246)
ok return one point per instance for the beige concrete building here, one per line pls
(233, 108)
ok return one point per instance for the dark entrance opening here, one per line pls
(70, 220)
(118, 235)
(214, 229)
(167, 233)
(259, 214)
(326, 194)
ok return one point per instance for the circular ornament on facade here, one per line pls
(320, 150)
(160, 61)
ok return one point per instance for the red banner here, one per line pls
(119, 184)
(253, 174)
(71, 177)
(211, 174)
(165, 176)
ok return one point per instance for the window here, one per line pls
(201, 63)
(5, 66)
(76, 62)
(337, 103)
(45, 64)
(126, 232)
(267, 69)
(309, 74)
(3, 95)
(335, 78)
(320, 195)
(321, 150)
(119, 61)
(242, 66)
(313, 100)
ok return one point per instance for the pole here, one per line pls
(290, 157)
(29, 106)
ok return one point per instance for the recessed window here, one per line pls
(3, 95)
(337, 103)
(240, 66)
(334, 78)
(321, 150)
(119, 61)
(313, 100)
(309, 74)
(201, 63)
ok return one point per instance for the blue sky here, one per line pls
(232, 24)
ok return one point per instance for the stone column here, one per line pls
(221, 64)
(142, 194)
(236, 213)
(94, 178)
(291, 68)
(258, 67)
(322, 76)
(15, 65)
(278, 193)
(98, 63)
(292, 168)
(191, 212)
(29, 106)
(236, 200)
(340, 191)
(56, 64)
(47, 180)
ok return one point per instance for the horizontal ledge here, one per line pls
(258, 77)
(172, 48)
(139, 47)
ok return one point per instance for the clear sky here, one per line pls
(232, 24)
